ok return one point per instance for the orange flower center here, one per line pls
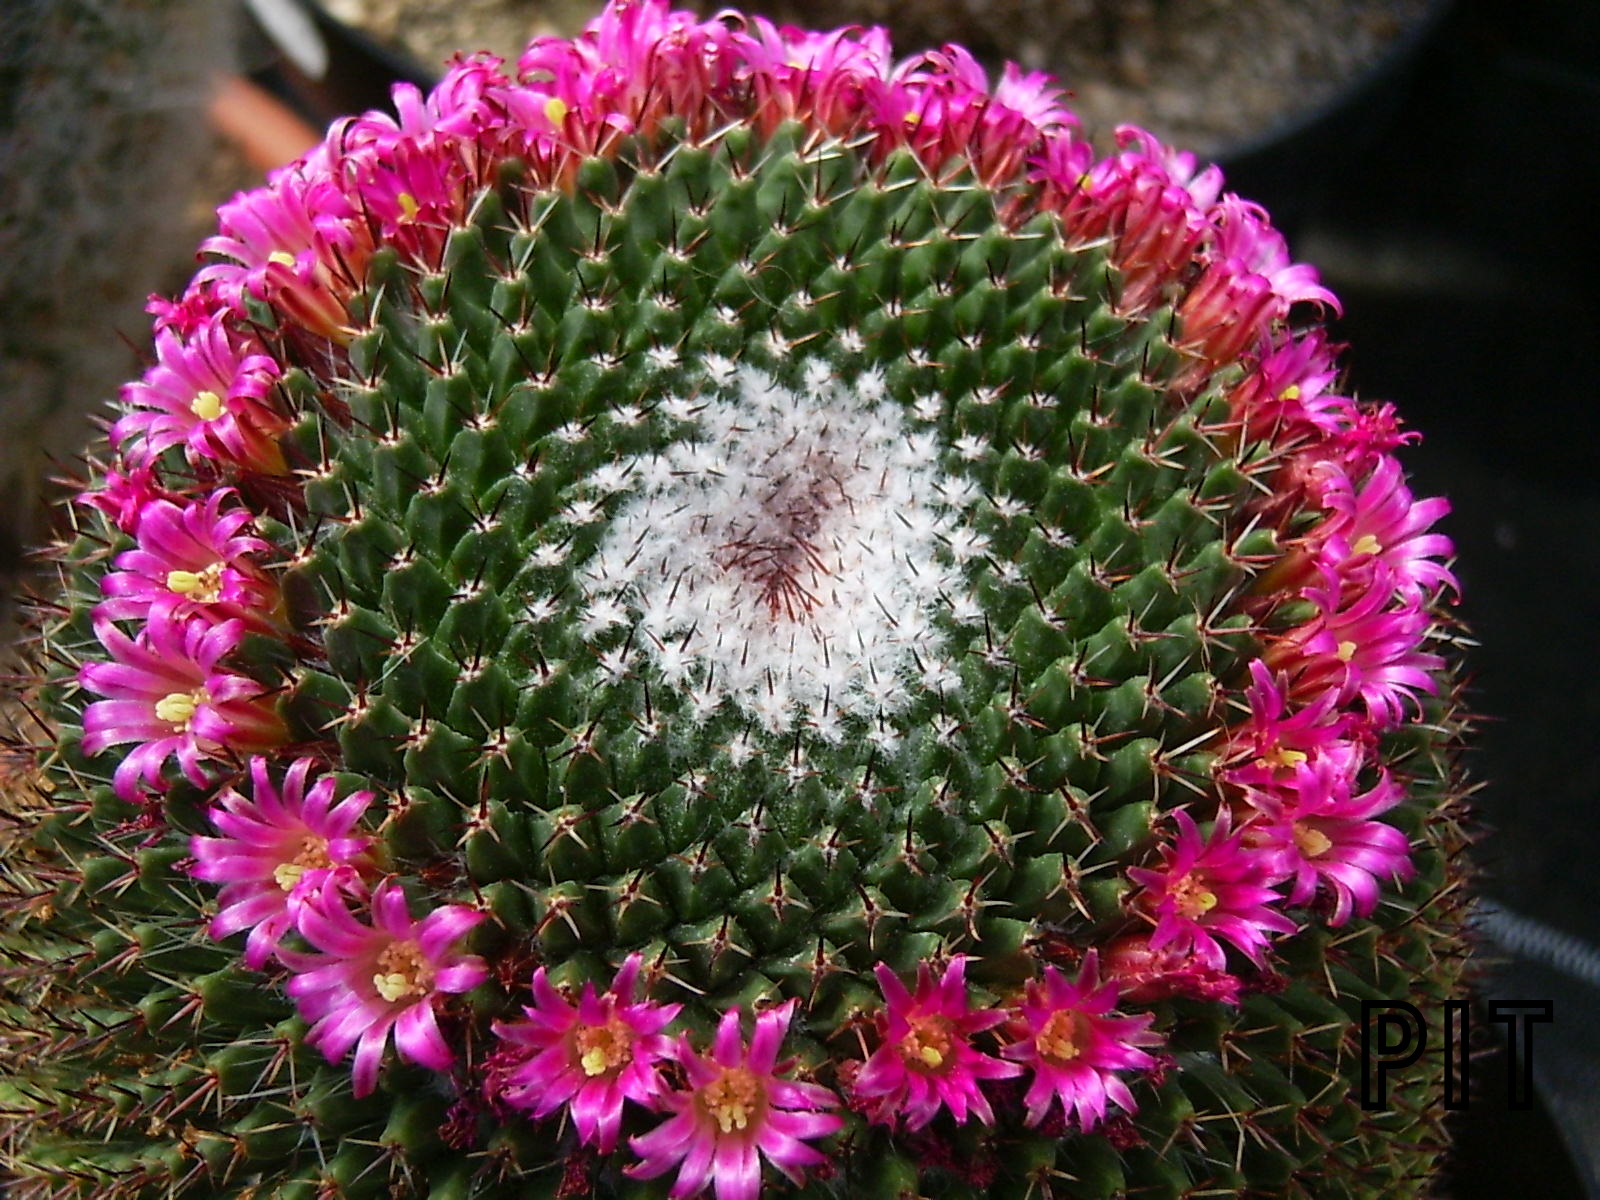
(313, 854)
(1192, 898)
(927, 1044)
(1058, 1039)
(402, 971)
(603, 1048)
(732, 1098)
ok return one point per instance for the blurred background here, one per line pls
(1439, 160)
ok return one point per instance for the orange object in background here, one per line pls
(265, 129)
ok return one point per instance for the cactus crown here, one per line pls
(718, 612)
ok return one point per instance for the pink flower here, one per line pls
(927, 1060)
(276, 851)
(1226, 311)
(1209, 888)
(632, 65)
(1322, 834)
(735, 1111)
(296, 243)
(1360, 649)
(1145, 974)
(411, 183)
(1268, 747)
(1146, 199)
(370, 980)
(1289, 394)
(167, 692)
(1075, 1049)
(192, 560)
(210, 392)
(1245, 236)
(1380, 525)
(124, 494)
(1035, 96)
(590, 1058)
(821, 76)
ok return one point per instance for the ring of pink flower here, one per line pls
(1301, 784)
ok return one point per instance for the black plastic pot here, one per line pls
(1289, 164)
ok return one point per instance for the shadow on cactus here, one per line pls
(717, 613)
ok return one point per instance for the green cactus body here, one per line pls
(754, 566)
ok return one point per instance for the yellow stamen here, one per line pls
(1058, 1039)
(392, 987)
(178, 708)
(927, 1044)
(313, 853)
(1313, 843)
(402, 971)
(1366, 544)
(1193, 900)
(732, 1099)
(556, 110)
(604, 1047)
(286, 875)
(206, 405)
(203, 587)
(282, 257)
(1279, 757)
(1347, 651)
(1291, 393)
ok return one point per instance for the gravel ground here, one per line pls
(1204, 74)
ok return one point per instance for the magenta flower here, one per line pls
(167, 692)
(1226, 311)
(1075, 1049)
(1145, 974)
(298, 243)
(735, 1111)
(412, 188)
(192, 560)
(1146, 200)
(276, 850)
(1361, 650)
(210, 392)
(1210, 887)
(591, 1058)
(1380, 525)
(1321, 834)
(799, 73)
(124, 494)
(927, 1060)
(1274, 742)
(1246, 239)
(373, 979)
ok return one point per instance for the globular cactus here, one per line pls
(718, 614)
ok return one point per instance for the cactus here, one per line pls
(712, 613)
